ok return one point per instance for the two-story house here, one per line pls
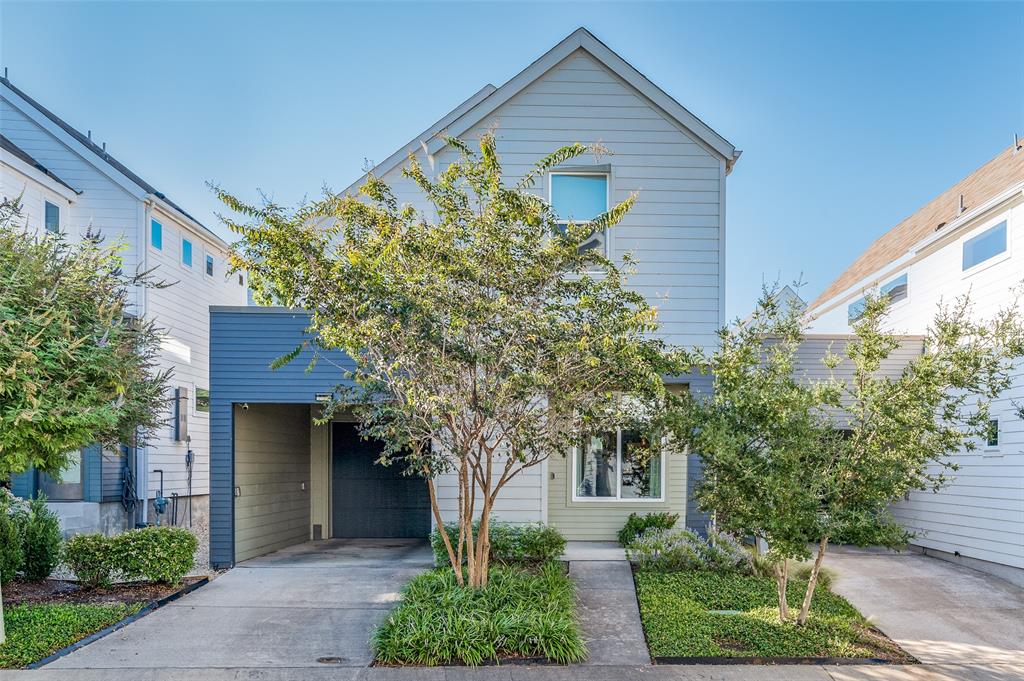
(966, 241)
(67, 183)
(278, 479)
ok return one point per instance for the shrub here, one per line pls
(41, 541)
(638, 524)
(802, 572)
(92, 558)
(518, 614)
(673, 550)
(157, 554)
(533, 543)
(12, 555)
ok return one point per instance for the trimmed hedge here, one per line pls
(520, 613)
(533, 543)
(156, 554)
(638, 524)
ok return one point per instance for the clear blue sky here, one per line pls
(850, 116)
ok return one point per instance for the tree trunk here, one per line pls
(812, 582)
(483, 540)
(781, 581)
(452, 558)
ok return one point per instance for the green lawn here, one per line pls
(676, 611)
(519, 614)
(35, 631)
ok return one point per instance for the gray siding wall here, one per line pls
(272, 468)
(243, 343)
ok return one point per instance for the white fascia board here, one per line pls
(583, 39)
(397, 158)
(88, 155)
(34, 174)
(961, 223)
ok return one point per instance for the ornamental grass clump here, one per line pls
(519, 614)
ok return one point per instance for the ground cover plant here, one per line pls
(718, 614)
(35, 631)
(519, 614)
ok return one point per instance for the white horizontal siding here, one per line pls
(980, 513)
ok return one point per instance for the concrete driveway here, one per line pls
(286, 609)
(939, 612)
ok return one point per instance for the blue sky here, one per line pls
(850, 116)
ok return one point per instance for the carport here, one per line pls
(277, 479)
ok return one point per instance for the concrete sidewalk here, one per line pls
(516, 673)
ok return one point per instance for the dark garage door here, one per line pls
(370, 500)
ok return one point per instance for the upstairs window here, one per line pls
(209, 265)
(992, 438)
(985, 246)
(896, 290)
(186, 253)
(156, 234)
(580, 197)
(52, 217)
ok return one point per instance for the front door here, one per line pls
(371, 500)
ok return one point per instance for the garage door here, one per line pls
(370, 500)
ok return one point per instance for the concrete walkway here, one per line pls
(939, 612)
(608, 612)
(286, 609)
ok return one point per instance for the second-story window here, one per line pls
(52, 217)
(895, 290)
(209, 265)
(985, 246)
(156, 234)
(186, 253)
(579, 197)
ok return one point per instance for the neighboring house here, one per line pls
(69, 184)
(278, 479)
(968, 240)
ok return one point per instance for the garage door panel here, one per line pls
(371, 500)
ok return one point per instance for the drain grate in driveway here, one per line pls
(330, 660)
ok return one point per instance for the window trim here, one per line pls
(191, 253)
(892, 305)
(607, 175)
(995, 259)
(987, 445)
(209, 259)
(46, 228)
(154, 222)
(617, 499)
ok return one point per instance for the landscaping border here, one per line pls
(95, 636)
(769, 661)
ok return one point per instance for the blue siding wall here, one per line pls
(243, 343)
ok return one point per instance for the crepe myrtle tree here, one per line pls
(799, 462)
(75, 366)
(484, 337)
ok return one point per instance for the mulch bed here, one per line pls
(59, 591)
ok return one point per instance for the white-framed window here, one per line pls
(156, 235)
(992, 436)
(51, 217)
(617, 466)
(186, 252)
(202, 400)
(208, 265)
(579, 196)
(896, 290)
(985, 246)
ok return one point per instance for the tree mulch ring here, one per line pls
(60, 592)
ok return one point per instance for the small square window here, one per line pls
(156, 234)
(580, 198)
(203, 400)
(209, 265)
(992, 438)
(52, 222)
(186, 253)
(985, 246)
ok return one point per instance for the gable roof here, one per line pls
(23, 156)
(487, 100)
(985, 183)
(100, 154)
